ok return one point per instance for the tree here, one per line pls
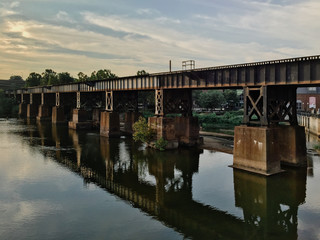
(211, 99)
(83, 77)
(102, 74)
(8, 107)
(93, 76)
(33, 79)
(65, 78)
(142, 73)
(49, 77)
(16, 78)
(231, 98)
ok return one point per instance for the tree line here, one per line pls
(50, 77)
(211, 99)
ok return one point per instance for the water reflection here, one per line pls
(160, 184)
(270, 205)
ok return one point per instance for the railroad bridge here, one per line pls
(269, 134)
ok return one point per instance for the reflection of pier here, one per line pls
(269, 205)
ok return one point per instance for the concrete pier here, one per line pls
(129, 119)
(262, 149)
(32, 110)
(58, 115)
(22, 110)
(96, 113)
(44, 113)
(178, 131)
(80, 120)
(109, 124)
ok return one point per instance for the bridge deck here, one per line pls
(301, 71)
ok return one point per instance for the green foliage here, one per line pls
(316, 147)
(211, 99)
(8, 107)
(231, 97)
(147, 114)
(142, 73)
(102, 74)
(16, 78)
(49, 77)
(65, 78)
(33, 79)
(213, 121)
(161, 144)
(83, 77)
(142, 132)
(147, 99)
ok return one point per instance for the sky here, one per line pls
(126, 36)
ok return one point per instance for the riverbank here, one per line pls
(220, 142)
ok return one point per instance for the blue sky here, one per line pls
(127, 36)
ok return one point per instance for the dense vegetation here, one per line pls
(212, 99)
(8, 107)
(143, 133)
(220, 123)
(50, 77)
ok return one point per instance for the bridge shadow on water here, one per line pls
(161, 185)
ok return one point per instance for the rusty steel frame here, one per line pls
(301, 71)
(268, 105)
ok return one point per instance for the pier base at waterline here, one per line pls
(80, 120)
(178, 131)
(262, 149)
(109, 124)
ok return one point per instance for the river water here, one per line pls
(56, 183)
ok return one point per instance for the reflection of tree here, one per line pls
(270, 204)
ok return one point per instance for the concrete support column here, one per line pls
(44, 113)
(261, 149)
(45, 109)
(292, 145)
(80, 120)
(58, 115)
(22, 110)
(32, 110)
(129, 120)
(96, 112)
(109, 124)
(178, 131)
(187, 130)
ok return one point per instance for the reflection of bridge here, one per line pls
(269, 99)
(170, 199)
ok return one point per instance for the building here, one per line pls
(308, 99)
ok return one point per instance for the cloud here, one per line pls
(7, 9)
(146, 38)
(63, 16)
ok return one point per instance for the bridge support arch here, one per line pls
(270, 134)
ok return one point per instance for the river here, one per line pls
(57, 183)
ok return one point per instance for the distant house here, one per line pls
(308, 99)
(11, 84)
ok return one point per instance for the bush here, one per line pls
(161, 144)
(142, 132)
(227, 120)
